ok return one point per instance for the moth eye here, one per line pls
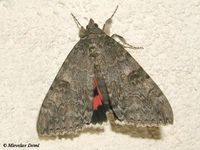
(96, 25)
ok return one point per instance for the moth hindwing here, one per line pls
(100, 75)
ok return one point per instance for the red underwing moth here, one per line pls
(100, 75)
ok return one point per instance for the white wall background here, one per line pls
(36, 36)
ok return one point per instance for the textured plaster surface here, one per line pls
(36, 36)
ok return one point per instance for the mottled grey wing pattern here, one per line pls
(71, 90)
(120, 84)
(134, 96)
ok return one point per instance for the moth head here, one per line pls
(92, 28)
(91, 24)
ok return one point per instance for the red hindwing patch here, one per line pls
(98, 99)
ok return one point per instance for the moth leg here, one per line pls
(82, 31)
(123, 42)
(108, 23)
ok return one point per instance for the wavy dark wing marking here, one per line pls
(135, 97)
(67, 105)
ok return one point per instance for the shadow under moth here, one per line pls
(99, 75)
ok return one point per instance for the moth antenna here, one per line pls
(107, 24)
(76, 21)
(114, 11)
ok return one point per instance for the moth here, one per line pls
(98, 76)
